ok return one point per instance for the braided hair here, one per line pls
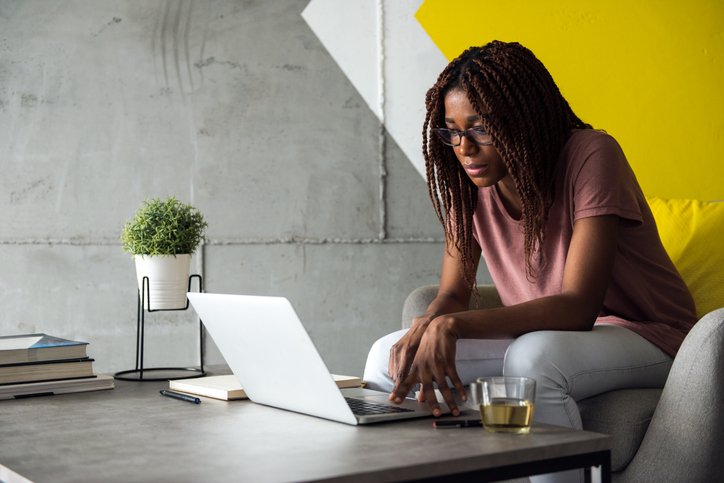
(529, 121)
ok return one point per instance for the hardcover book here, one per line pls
(39, 347)
(227, 387)
(48, 388)
(45, 370)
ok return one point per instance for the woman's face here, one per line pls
(483, 164)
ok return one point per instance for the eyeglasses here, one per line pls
(453, 137)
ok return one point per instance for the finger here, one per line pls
(392, 364)
(399, 377)
(398, 367)
(402, 388)
(421, 393)
(429, 395)
(447, 395)
(458, 385)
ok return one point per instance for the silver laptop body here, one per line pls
(268, 349)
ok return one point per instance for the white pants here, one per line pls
(567, 366)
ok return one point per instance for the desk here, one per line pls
(133, 434)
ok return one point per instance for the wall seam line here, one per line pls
(236, 241)
(382, 139)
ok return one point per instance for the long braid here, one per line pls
(452, 193)
(529, 121)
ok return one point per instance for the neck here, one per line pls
(510, 197)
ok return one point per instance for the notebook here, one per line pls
(269, 351)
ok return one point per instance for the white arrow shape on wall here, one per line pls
(388, 57)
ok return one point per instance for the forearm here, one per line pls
(446, 303)
(558, 312)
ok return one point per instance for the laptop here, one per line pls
(268, 349)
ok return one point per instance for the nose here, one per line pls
(467, 146)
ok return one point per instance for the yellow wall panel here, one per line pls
(650, 72)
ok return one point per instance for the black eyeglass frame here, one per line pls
(440, 132)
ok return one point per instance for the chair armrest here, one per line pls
(418, 300)
(685, 440)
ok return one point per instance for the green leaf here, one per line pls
(164, 227)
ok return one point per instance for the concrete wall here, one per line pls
(233, 106)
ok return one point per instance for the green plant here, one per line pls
(163, 227)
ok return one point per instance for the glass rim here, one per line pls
(500, 379)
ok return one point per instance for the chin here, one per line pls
(482, 182)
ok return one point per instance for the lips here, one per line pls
(476, 169)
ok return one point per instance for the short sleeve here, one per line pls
(600, 180)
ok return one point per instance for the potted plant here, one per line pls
(161, 237)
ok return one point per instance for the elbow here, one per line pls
(581, 313)
(586, 324)
(587, 318)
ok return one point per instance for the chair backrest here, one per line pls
(691, 232)
(685, 440)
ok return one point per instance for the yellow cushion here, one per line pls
(693, 235)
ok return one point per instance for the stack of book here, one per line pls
(41, 364)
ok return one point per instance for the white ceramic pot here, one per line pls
(168, 280)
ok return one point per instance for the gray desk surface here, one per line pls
(131, 433)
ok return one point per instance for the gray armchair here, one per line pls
(674, 434)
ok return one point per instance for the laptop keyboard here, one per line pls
(366, 408)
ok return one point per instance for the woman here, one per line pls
(592, 301)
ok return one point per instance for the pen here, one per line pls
(460, 423)
(183, 397)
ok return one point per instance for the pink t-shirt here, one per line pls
(646, 294)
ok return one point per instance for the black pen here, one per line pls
(459, 423)
(183, 397)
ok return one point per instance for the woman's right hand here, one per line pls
(403, 352)
(453, 296)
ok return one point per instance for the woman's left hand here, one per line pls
(434, 363)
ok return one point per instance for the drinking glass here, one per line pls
(506, 403)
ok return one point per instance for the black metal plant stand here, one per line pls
(140, 373)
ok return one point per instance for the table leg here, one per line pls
(598, 474)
